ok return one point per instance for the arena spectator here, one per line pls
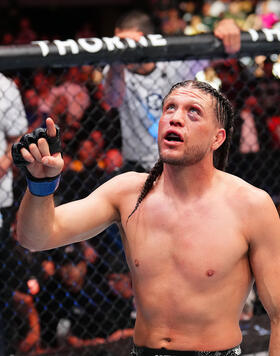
(208, 20)
(84, 309)
(18, 266)
(89, 152)
(75, 94)
(13, 123)
(253, 143)
(195, 27)
(137, 89)
(65, 98)
(85, 166)
(218, 8)
(249, 141)
(269, 12)
(252, 21)
(113, 160)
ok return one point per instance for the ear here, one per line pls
(219, 138)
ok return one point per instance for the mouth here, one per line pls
(173, 137)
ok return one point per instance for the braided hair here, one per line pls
(152, 177)
(225, 117)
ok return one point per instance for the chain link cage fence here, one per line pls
(78, 299)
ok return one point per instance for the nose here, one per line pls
(177, 119)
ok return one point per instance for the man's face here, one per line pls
(188, 128)
(135, 34)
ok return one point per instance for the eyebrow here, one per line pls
(173, 98)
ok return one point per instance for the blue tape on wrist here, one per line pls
(44, 187)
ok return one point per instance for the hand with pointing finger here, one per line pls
(39, 153)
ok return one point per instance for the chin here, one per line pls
(184, 161)
(173, 160)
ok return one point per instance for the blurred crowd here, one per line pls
(172, 17)
(63, 288)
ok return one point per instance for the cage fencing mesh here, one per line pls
(83, 291)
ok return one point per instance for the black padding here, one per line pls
(33, 137)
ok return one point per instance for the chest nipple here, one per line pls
(136, 263)
(210, 272)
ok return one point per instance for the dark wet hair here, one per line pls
(138, 19)
(225, 116)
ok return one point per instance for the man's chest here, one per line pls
(194, 242)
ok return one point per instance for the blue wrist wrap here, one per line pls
(43, 187)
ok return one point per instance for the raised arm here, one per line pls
(40, 225)
(264, 237)
(114, 84)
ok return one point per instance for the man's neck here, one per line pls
(193, 180)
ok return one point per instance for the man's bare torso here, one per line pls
(189, 265)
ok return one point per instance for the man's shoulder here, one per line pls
(244, 193)
(127, 182)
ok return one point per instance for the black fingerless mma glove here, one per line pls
(37, 186)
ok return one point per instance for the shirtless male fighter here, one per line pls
(195, 237)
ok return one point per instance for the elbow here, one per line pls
(28, 243)
(22, 240)
(33, 241)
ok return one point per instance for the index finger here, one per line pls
(51, 130)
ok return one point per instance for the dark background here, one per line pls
(62, 18)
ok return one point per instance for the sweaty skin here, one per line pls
(193, 246)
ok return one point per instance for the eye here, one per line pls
(195, 110)
(169, 106)
(194, 113)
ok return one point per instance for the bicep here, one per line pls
(85, 218)
(265, 257)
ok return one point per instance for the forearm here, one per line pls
(6, 161)
(114, 85)
(274, 345)
(35, 223)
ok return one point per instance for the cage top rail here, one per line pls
(154, 47)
